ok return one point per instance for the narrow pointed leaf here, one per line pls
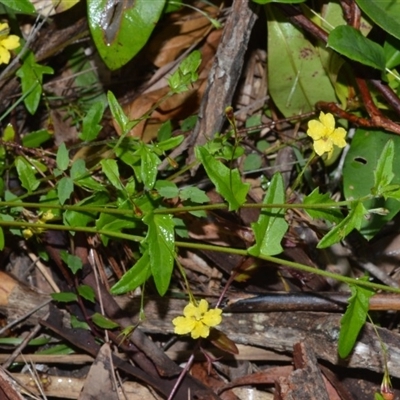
(271, 225)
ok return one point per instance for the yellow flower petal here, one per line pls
(200, 330)
(4, 26)
(212, 317)
(338, 137)
(323, 146)
(11, 42)
(328, 121)
(203, 306)
(4, 55)
(316, 130)
(183, 325)
(190, 311)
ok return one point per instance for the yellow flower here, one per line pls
(325, 135)
(197, 320)
(7, 43)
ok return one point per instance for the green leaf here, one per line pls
(358, 175)
(21, 6)
(296, 76)
(81, 176)
(252, 162)
(384, 13)
(271, 225)
(64, 297)
(87, 293)
(110, 170)
(1, 237)
(26, 174)
(330, 214)
(194, 194)
(186, 74)
(227, 182)
(350, 42)
(167, 189)
(120, 29)
(161, 241)
(117, 112)
(391, 47)
(90, 123)
(82, 218)
(31, 75)
(36, 138)
(73, 262)
(65, 187)
(165, 131)
(384, 169)
(103, 322)
(169, 144)
(134, 277)
(62, 158)
(354, 318)
(148, 166)
(352, 221)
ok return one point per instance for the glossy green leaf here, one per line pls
(111, 171)
(103, 322)
(352, 221)
(121, 28)
(297, 79)
(117, 112)
(31, 75)
(134, 277)
(330, 214)
(87, 293)
(358, 175)
(90, 124)
(384, 13)
(21, 6)
(391, 47)
(81, 176)
(227, 181)
(64, 297)
(65, 187)
(62, 158)
(26, 174)
(161, 241)
(354, 318)
(271, 225)
(170, 143)
(148, 166)
(384, 169)
(351, 43)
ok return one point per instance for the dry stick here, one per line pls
(24, 343)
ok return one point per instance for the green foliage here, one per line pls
(103, 322)
(64, 297)
(351, 43)
(227, 181)
(385, 13)
(31, 75)
(21, 6)
(359, 176)
(271, 225)
(296, 75)
(73, 262)
(160, 239)
(354, 318)
(186, 74)
(120, 31)
(329, 214)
